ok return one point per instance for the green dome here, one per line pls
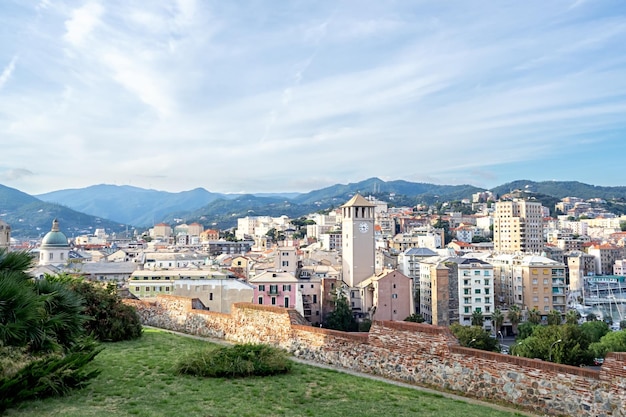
(54, 238)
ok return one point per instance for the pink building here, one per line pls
(387, 295)
(278, 289)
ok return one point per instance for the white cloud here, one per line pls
(82, 22)
(8, 70)
(279, 98)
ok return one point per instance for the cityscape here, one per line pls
(304, 208)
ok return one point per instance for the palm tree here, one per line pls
(42, 315)
(572, 317)
(21, 309)
(554, 318)
(477, 318)
(497, 318)
(515, 316)
(534, 316)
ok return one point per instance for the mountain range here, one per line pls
(121, 208)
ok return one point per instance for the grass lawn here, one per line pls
(137, 379)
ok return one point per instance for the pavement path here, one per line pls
(372, 377)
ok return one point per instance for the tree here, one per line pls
(554, 318)
(341, 318)
(610, 342)
(572, 317)
(475, 337)
(515, 316)
(497, 319)
(622, 325)
(534, 316)
(566, 344)
(595, 330)
(477, 318)
(525, 330)
(415, 318)
(591, 317)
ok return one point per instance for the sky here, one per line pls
(293, 96)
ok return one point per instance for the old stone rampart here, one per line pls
(416, 353)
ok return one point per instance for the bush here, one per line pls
(111, 319)
(236, 361)
(48, 375)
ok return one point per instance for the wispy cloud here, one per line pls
(276, 99)
(7, 71)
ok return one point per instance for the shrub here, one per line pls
(236, 361)
(110, 319)
(48, 375)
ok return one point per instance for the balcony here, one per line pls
(273, 292)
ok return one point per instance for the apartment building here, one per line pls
(517, 226)
(605, 255)
(542, 283)
(475, 290)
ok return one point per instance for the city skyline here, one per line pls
(292, 97)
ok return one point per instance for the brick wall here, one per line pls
(416, 353)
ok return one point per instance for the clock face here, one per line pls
(363, 227)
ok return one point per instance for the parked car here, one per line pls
(598, 361)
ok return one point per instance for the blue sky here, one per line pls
(268, 96)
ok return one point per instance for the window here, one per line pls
(487, 300)
(394, 285)
(262, 287)
(467, 300)
(260, 300)
(210, 296)
(535, 299)
(301, 285)
(137, 289)
(50, 256)
(478, 300)
(287, 287)
(535, 281)
(286, 302)
(273, 301)
(273, 289)
(167, 289)
(476, 272)
(545, 281)
(466, 291)
(466, 310)
(487, 273)
(285, 263)
(486, 290)
(394, 295)
(314, 298)
(477, 291)
(487, 282)
(466, 282)
(311, 285)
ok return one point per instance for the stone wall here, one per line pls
(416, 353)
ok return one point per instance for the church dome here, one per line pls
(54, 238)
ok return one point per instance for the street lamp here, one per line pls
(470, 342)
(550, 351)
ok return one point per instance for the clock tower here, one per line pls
(358, 246)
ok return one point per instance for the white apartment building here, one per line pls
(518, 227)
(475, 290)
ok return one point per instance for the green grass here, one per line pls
(138, 379)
